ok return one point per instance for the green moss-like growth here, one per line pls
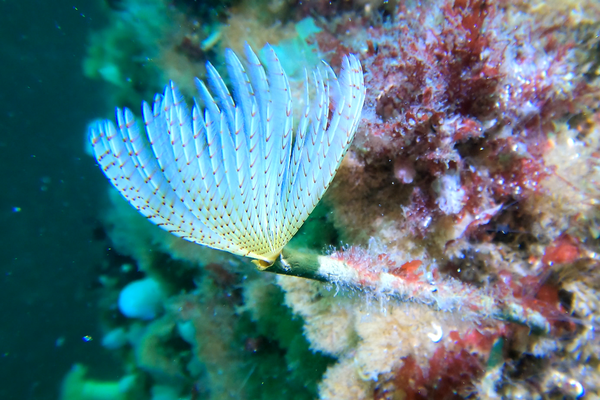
(125, 52)
(284, 365)
(318, 231)
(247, 344)
(207, 9)
(116, 56)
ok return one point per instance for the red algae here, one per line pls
(455, 87)
(563, 250)
(449, 373)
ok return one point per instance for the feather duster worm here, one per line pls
(234, 177)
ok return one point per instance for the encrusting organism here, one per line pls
(235, 177)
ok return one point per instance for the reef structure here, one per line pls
(466, 208)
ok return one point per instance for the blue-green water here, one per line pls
(49, 196)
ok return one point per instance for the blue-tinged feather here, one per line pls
(262, 148)
(233, 177)
(281, 126)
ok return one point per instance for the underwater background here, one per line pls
(457, 249)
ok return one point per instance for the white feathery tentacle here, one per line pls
(282, 126)
(245, 140)
(263, 141)
(234, 177)
(137, 175)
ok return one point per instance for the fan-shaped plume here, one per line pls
(233, 176)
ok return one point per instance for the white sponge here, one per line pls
(141, 299)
